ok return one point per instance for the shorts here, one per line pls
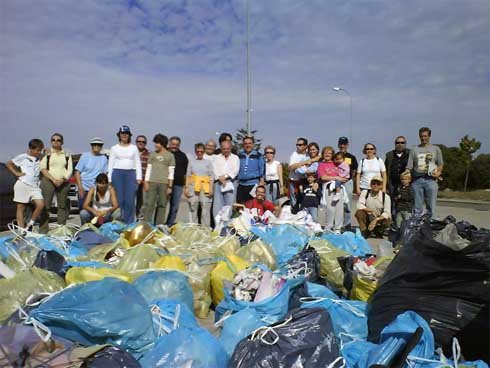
(24, 193)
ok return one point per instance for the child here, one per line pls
(310, 195)
(26, 189)
(404, 199)
(343, 170)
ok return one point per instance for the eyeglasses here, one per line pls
(400, 142)
(269, 153)
(144, 142)
(56, 140)
(369, 149)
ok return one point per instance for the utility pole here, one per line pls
(249, 96)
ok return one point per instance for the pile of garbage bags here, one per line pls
(275, 295)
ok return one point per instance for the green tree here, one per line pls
(242, 133)
(454, 167)
(479, 177)
(468, 146)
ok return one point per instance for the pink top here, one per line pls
(344, 170)
(327, 168)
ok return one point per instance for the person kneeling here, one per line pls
(100, 204)
(259, 205)
(374, 210)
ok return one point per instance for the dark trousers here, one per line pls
(364, 220)
(174, 203)
(243, 193)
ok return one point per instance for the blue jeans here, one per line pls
(124, 182)
(425, 192)
(349, 188)
(174, 203)
(222, 199)
(313, 211)
(272, 192)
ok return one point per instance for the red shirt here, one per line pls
(261, 206)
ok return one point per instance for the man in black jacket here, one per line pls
(395, 163)
(181, 163)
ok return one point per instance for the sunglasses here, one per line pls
(269, 153)
(56, 140)
(376, 183)
(369, 149)
(400, 142)
(300, 144)
(141, 142)
(96, 145)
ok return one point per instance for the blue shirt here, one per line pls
(90, 166)
(252, 167)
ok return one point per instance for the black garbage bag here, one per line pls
(309, 257)
(51, 261)
(304, 338)
(449, 288)
(111, 357)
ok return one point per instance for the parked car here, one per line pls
(7, 205)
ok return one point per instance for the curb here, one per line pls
(464, 203)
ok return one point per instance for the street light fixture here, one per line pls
(341, 89)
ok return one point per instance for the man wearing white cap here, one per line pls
(89, 166)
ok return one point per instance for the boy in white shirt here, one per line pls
(26, 189)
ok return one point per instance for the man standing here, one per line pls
(90, 165)
(210, 149)
(396, 162)
(144, 155)
(426, 164)
(351, 160)
(296, 161)
(181, 163)
(252, 170)
(225, 167)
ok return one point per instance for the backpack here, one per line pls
(67, 159)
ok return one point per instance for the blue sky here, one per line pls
(84, 67)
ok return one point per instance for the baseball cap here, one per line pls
(377, 178)
(124, 129)
(96, 140)
(343, 140)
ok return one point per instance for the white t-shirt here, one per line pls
(271, 170)
(370, 169)
(294, 159)
(125, 158)
(30, 166)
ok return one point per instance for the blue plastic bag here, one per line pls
(320, 291)
(168, 315)
(112, 230)
(86, 240)
(286, 241)
(238, 326)
(184, 347)
(49, 243)
(5, 246)
(353, 244)
(271, 309)
(348, 317)
(160, 285)
(108, 311)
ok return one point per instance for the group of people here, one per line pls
(132, 182)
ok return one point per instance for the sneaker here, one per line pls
(338, 232)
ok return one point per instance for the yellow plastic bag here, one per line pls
(15, 291)
(225, 270)
(258, 251)
(78, 275)
(200, 280)
(363, 287)
(170, 262)
(227, 245)
(188, 234)
(329, 266)
(138, 258)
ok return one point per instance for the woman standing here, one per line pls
(125, 173)
(56, 167)
(334, 204)
(273, 175)
(369, 167)
(310, 165)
